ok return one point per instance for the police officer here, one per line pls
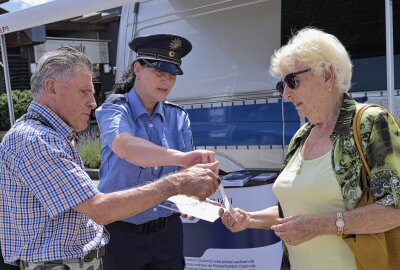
(145, 137)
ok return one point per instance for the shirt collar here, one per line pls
(343, 123)
(47, 117)
(137, 107)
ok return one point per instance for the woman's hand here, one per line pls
(296, 230)
(241, 223)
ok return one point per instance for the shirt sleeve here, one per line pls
(57, 182)
(113, 119)
(187, 134)
(383, 155)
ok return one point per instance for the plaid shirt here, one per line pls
(41, 181)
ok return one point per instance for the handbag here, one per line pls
(379, 250)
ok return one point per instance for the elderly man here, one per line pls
(52, 215)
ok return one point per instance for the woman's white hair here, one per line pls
(317, 50)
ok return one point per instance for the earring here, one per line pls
(329, 90)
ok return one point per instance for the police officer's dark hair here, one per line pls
(127, 81)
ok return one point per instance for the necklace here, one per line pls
(326, 128)
(299, 164)
(300, 160)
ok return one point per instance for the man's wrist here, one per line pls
(174, 184)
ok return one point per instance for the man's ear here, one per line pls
(50, 86)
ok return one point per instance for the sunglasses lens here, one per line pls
(290, 80)
(280, 86)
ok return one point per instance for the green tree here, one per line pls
(21, 101)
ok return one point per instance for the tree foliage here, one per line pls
(21, 101)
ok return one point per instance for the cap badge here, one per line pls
(175, 44)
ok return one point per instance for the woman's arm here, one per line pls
(117, 131)
(262, 219)
(373, 218)
(143, 153)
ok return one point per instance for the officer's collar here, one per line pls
(137, 107)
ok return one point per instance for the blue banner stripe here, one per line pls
(264, 133)
(254, 124)
(200, 236)
(268, 112)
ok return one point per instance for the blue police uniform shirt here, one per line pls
(169, 126)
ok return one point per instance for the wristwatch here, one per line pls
(339, 224)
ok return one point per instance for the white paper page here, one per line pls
(192, 207)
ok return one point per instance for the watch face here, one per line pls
(339, 223)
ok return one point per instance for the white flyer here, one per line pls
(192, 207)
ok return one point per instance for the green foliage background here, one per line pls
(21, 101)
(89, 147)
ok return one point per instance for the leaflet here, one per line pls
(192, 207)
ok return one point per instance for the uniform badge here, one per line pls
(175, 44)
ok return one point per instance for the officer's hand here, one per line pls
(196, 157)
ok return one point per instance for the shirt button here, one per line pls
(154, 209)
(151, 125)
(155, 168)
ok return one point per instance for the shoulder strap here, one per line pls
(114, 97)
(174, 105)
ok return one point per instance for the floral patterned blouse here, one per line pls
(381, 145)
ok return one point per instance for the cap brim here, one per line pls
(165, 66)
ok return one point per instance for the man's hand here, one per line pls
(196, 157)
(200, 180)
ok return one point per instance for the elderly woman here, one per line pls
(319, 185)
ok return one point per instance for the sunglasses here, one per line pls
(290, 81)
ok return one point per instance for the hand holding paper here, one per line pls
(227, 204)
(192, 207)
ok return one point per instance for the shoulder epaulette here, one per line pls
(114, 97)
(174, 105)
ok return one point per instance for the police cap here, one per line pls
(162, 51)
